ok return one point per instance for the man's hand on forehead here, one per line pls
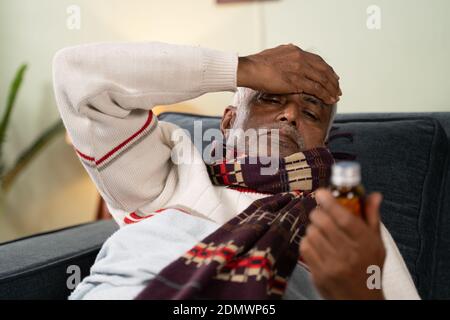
(287, 69)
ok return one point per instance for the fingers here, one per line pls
(327, 227)
(319, 241)
(310, 254)
(316, 89)
(349, 223)
(331, 86)
(373, 203)
(288, 69)
(318, 64)
(325, 82)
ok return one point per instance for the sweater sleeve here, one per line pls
(105, 93)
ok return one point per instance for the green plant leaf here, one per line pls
(14, 89)
(30, 153)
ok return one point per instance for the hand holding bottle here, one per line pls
(339, 247)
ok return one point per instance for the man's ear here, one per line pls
(228, 118)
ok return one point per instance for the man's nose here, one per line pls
(290, 114)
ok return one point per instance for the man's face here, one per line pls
(302, 120)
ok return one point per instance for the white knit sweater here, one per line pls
(105, 93)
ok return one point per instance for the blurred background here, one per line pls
(391, 55)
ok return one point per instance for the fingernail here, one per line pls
(376, 198)
(379, 197)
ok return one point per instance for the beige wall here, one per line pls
(402, 67)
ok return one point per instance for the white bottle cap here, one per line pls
(346, 174)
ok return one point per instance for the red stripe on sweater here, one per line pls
(135, 216)
(85, 156)
(109, 154)
(121, 145)
(138, 218)
(128, 221)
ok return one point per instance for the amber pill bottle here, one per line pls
(346, 186)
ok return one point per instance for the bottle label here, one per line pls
(354, 205)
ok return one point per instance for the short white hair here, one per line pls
(244, 96)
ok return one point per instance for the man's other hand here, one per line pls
(339, 247)
(288, 69)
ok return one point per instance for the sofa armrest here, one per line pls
(36, 267)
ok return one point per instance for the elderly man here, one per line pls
(105, 93)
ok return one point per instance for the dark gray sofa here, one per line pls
(405, 156)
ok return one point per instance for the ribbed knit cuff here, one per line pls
(219, 71)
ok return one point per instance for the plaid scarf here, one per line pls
(253, 254)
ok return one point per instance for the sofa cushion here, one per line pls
(404, 157)
(36, 267)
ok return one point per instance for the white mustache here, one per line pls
(286, 130)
